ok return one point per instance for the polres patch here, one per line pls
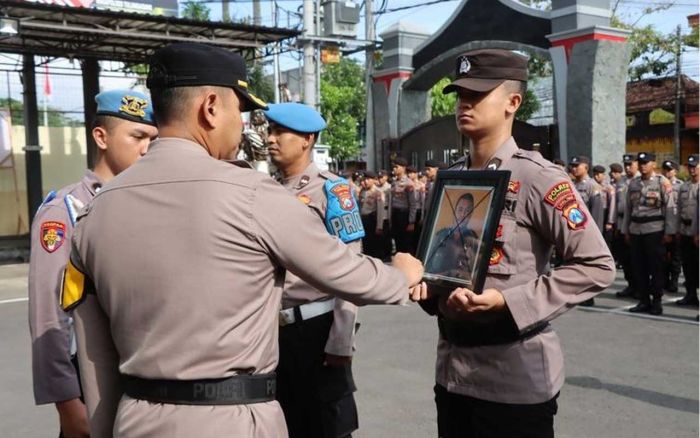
(344, 194)
(52, 235)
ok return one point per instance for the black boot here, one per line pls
(588, 303)
(688, 300)
(656, 308)
(640, 308)
(627, 292)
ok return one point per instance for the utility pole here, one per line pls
(309, 74)
(679, 95)
(257, 18)
(369, 69)
(275, 55)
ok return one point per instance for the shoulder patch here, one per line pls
(52, 235)
(342, 215)
(561, 196)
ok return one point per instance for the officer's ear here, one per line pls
(310, 140)
(99, 133)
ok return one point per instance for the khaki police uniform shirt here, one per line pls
(403, 197)
(51, 331)
(592, 194)
(620, 198)
(539, 215)
(373, 201)
(308, 188)
(609, 203)
(688, 209)
(650, 198)
(186, 254)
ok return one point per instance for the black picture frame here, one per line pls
(453, 253)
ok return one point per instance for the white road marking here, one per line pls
(624, 311)
(14, 300)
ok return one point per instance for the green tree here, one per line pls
(260, 85)
(196, 11)
(343, 106)
(442, 104)
(56, 117)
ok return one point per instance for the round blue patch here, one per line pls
(576, 216)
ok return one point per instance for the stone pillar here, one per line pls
(590, 75)
(391, 118)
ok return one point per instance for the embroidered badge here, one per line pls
(134, 106)
(53, 234)
(561, 197)
(496, 256)
(342, 191)
(499, 231)
(304, 198)
(514, 186)
(560, 194)
(464, 65)
(575, 218)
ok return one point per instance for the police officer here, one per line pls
(623, 250)
(385, 186)
(591, 193)
(608, 197)
(649, 224)
(431, 170)
(317, 332)
(373, 211)
(177, 268)
(123, 128)
(688, 232)
(403, 207)
(499, 367)
(673, 250)
(419, 194)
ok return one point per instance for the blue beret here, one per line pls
(126, 104)
(296, 116)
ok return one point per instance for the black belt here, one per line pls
(467, 334)
(644, 220)
(235, 390)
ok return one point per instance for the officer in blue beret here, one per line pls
(316, 338)
(122, 130)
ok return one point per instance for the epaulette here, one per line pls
(327, 175)
(532, 156)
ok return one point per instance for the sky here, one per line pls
(65, 75)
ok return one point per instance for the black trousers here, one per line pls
(317, 400)
(372, 244)
(673, 264)
(649, 261)
(689, 255)
(402, 238)
(622, 253)
(461, 416)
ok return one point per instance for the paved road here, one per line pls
(627, 376)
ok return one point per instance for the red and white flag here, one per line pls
(47, 81)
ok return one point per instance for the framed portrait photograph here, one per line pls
(460, 227)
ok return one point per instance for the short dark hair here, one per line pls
(467, 197)
(519, 87)
(105, 121)
(167, 102)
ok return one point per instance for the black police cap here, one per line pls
(628, 158)
(400, 161)
(485, 69)
(435, 163)
(196, 64)
(369, 174)
(693, 160)
(598, 169)
(645, 157)
(670, 164)
(580, 159)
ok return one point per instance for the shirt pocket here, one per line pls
(503, 254)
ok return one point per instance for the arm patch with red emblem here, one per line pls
(562, 197)
(52, 235)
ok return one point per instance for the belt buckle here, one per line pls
(284, 319)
